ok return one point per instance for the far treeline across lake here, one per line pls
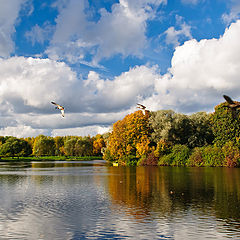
(162, 137)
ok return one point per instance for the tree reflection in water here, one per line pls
(160, 192)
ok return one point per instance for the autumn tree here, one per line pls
(130, 138)
(163, 147)
(98, 145)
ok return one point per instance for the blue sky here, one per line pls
(98, 58)
(204, 19)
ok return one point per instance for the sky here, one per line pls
(98, 58)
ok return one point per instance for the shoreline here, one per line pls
(47, 158)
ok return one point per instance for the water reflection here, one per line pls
(165, 192)
(88, 200)
(62, 164)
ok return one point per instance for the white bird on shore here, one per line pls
(59, 107)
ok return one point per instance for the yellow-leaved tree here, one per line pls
(129, 139)
(98, 144)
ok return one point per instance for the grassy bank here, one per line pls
(49, 158)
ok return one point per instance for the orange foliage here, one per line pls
(143, 147)
(98, 144)
(130, 136)
(163, 147)
(62, 150)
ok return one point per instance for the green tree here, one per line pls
(84, 147)
(193, 131)
(30, 140)
(59, 143)
(178, 156)
(170, 126)
(2, 140)
(44, 146)
(212, 156)
(15, 147)
(70, 146)
(225, 125)
(201, 130)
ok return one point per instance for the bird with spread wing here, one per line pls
(59, 107)
(232, 105)
(140, 106)
(143, 108)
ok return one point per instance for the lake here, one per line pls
(90, 200)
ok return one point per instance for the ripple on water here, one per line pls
(97, 202)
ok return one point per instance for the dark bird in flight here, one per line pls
(141, 106)
(59, 107)
(232, 105)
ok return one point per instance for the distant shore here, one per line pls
(49, 158)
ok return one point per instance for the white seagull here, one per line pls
(59, 107)
(142, 107)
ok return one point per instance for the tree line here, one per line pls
(168, 138)
(162, 137)
(51, 146)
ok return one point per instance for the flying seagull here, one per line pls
(59, 107)
(232, 105)
(141, 106)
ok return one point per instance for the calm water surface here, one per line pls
(89, 200)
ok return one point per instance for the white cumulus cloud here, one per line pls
(183, 30)
(9, 11)
(123, 91)
(27, 83)
(21, 131)
(119, 31)
(80, 131)
(201, 72)
(234, 12)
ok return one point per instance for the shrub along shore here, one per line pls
(162, 137)
(207, 156)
